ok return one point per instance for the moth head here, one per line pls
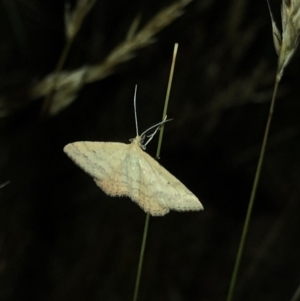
(144, 139)
(139, 140)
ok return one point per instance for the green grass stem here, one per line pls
(252, 196)
(141, 259)
(143, 246)
(161, 132)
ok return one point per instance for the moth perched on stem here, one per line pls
(121, 169)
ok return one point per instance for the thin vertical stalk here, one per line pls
(167, 100)
(253, 194)
(141, 259)
(285, 45)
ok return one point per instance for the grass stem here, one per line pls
(138, 277)
(253, 194)
(161, 132)
(141, 259)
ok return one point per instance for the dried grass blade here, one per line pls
(276, 33)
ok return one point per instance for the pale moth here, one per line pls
(121, 169)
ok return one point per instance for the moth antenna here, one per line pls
(135, 114)
(158, 126)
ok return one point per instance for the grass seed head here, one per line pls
(287, 42)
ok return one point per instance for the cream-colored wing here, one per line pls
(103, 161)
(162, 186)
(115, 170)
(135, 184)
(126, 170)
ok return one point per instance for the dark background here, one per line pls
(62, 238)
